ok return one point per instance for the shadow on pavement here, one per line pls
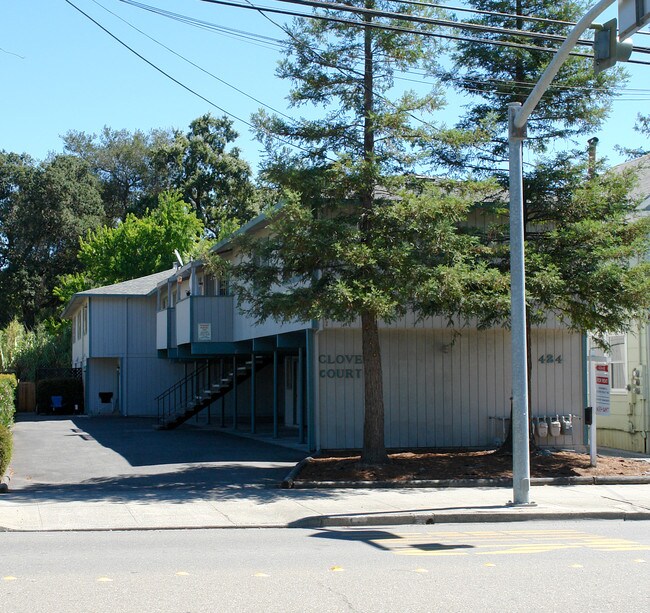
(67, 458)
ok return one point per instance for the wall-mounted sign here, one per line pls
(205, 332)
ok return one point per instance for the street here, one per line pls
(522, 566)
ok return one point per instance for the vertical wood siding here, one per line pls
(108, 326)
(216, 311)
(147, 378)
(442, 390)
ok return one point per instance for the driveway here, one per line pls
(114, 458)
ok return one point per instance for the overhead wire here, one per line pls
(273, 43)
(180, 83)
(213, 27)
(333, 6)
(262, 11)
(182, 57)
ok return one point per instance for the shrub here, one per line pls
(6, 447)
(8, 385)
(70, 389)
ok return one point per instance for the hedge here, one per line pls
(70, 389)
(8, 385)
(6, 446)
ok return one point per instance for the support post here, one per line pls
(520, 427)
(301, 397)
(234, 392)
(275, 394)
(517, 118)
(253, 393)
(223, 396)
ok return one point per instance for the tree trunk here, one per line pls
(374, 447)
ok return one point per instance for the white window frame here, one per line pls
(612, 340)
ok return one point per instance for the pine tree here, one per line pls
(359, 237)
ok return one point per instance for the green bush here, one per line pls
(6, 447)
(8, 385)
(70, 389)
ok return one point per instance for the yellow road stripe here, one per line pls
(499, 542)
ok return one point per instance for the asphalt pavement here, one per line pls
(109, 473)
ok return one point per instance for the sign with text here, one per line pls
(205, 332)
(632, 16)
(600, 387)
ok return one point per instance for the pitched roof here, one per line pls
(143, 286)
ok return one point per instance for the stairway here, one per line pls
(196, 392)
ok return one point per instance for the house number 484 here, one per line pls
(549, 358)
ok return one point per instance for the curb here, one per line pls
(358, 521)
(290, 482)
(464, 518)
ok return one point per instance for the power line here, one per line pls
(333, 6)
(213, 27)
(402, 30)
(268, 41)
(185, 87)
(182, 57)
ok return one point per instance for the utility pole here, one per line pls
(517, 118)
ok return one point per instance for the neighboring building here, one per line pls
(114, 342)
(181, 331)
(628, 425)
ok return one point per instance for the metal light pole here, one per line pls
(517, 118)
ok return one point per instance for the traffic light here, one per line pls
(607, 48)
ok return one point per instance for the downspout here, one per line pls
(90, 338)
(125, 365)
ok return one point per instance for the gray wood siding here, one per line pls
(101, 377)
(161, 329)
(218, 312)
(108, 326)
(183, 319)
(442, 390)
(146, 378)
(245, 327)
(141, 333)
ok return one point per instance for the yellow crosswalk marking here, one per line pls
(499, 542)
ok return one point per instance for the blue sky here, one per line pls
(61, 72)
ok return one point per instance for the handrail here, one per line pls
(169, 400)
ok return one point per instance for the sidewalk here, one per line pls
(272, 508)
(117, 475)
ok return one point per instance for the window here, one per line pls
(224, 287)
(209, 288)
(85, 320)
(79, 325)
(617, 355)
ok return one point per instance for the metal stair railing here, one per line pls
(200, 389)
(180, 395)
